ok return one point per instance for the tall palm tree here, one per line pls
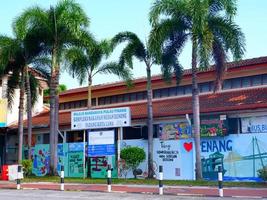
(210, 27)
(15, 56)
(84, 62)
(135, 48)
(58, 27)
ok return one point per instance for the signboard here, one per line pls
(102, 118)
(254, 124)
(101, 143)
(3, 113)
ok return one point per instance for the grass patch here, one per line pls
(56, 179)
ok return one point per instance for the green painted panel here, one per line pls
(99, 166)
(75, 164)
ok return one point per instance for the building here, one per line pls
(9, 115)
(233, 121)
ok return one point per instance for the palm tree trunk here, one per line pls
(89, 100)
(149, 123)
(29, 113)
(52, 120)
(21, 110)
(196, 116)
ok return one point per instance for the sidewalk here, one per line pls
(145, 189)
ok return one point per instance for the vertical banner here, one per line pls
(3, 113)
(75, 159)
(41, 159)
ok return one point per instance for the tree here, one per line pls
(133, 156)
(210, 27)
(60, 88)
(15, 56)
(84, 62)
(135, 48)
(58, 28)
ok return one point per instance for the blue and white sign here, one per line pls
(101, 118)
(101, 143)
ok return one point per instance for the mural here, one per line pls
(62, 155)
(41, 159)
(75, 159)
(176, 157)
(241, 155)
(174, 131)
(99, 165)
(212, 126)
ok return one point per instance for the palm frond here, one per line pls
(34, 89)
(12, 84)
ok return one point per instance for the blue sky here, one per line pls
(109, 17)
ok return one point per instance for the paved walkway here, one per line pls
(146, 189)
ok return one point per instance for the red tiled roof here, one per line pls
(247, 99)
(230, 65)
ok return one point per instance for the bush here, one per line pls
(262, 173)
(27, 167)
(133, 156)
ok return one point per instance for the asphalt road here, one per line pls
(67, 195)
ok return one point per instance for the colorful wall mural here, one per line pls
(241, 155)
(176, 157)
(174, 131)
(41, 159)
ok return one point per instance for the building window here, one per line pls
(180, 90)
(256, 80)
(164, 92)
(188, 89)
(236, 83)
(227, 84)
(173, 91)
(246, 82)
(264, 79)
(156, 93)
(204, 87)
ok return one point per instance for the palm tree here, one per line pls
(15, 56)
(210, 27)
(58, 28)
(84, 62)
(135, 48)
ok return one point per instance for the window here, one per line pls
(256, 80)
(101, 101)
(236, 83)
(93, 102)
(165, 92)
(133, 96)
(140, 95)
(156, 94)
(233, 125)
(180, 90)
(173, 91)
(204, 87)
(246, 82)
(113, 99)
(188, 89)
(227, 84)
(264, 79)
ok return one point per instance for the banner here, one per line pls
(3, 113)
(101, 118)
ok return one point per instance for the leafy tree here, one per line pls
(84, 62)
(15, 55)
(58, 27)
(210, 27)
(60, 88)
(133, 156)
(135, 48)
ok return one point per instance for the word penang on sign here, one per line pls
(216, 145)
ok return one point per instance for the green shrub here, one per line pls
(27, 167)
(262, 173)
(133, 156)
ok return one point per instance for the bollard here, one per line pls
(109, 178)
(62, 178)
(160, 180)
(19, 177)
(220, 181)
